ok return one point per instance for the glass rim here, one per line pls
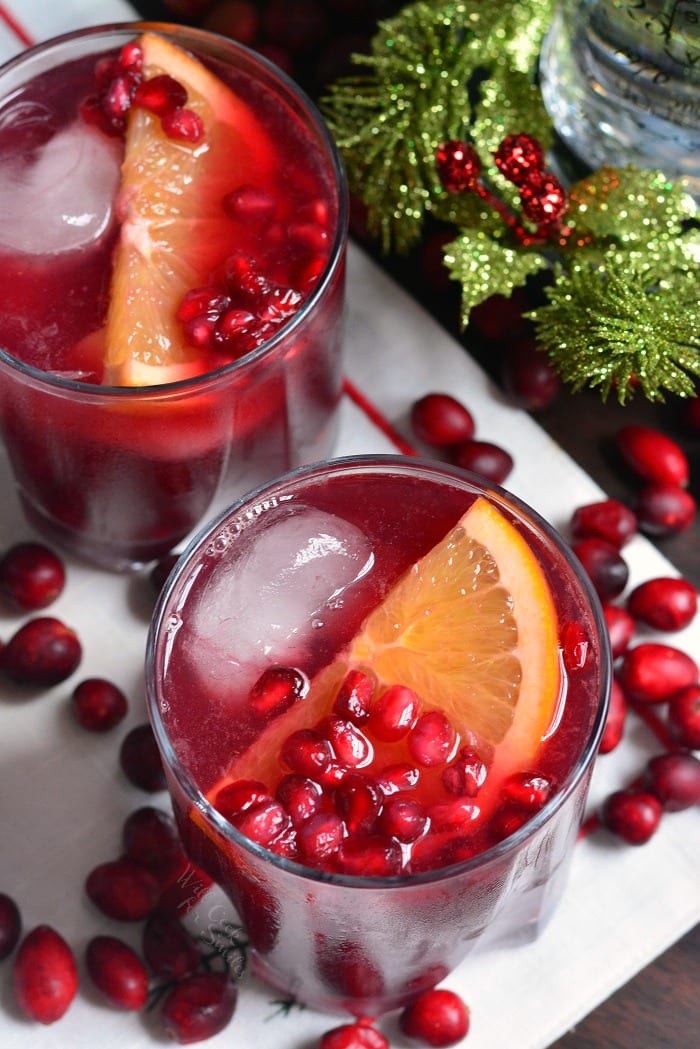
(407, 465)
(311, 112)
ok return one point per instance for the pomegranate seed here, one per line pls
(489, 461)
(131, 57)
(653, 456)
(354, 696)
(394, 713)
(507, 821)
(309, 235)
(395, 778)
(183, 125)
(437, 1018)
(98, 705)
(10, 925)
(320, 837)
(370, 856)
(277, 689)
(610, 520)
(140, 759)
(449, 815)
(665, 509)
(432, 739)
(466, 775)
(209, 302)
(358, 801)
(123, 890)
(104, 71)
(160, 95)
(675, 780)
(250, 204)
(526, 790)
(441, 420)
(665, 603)
(574, 646)
(528, 377)
(353, 1036)
(235, 323)
(403, 819)
(117, 971)
(199, 1007)
(169, 950)
(31, 576)
(300, 796)
(350, 745)
(45, 976)
(41, 653)
(652, 673)
(199, 332)
(263, 822)
(632, 815)
(307, 753)
(150, 838)
(620, 628)
(615, 721)
(604, 566)
(239, 796)
(684, 716)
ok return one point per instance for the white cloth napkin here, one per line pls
(63, 799)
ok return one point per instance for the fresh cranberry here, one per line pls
(684, 717)
(403, 819)
(653, 456)
(652, 673)
(353, 1036)
(436, 1018)
(440, 420)
(394, 713)
(615, 721)
(354, 697)
(528, 377)
(183, 125)
(665, 603)
(609, 519)
(620, 628)
(632, 815)
(140, 759)
(370, 855)
(10, 925)
(45, 976)
(488, 460)
(123, 890)
(170, 952)
(465, 775)
(150, 838)
(431, 739)
(160, 95)
(198, 1007)
(358, 801)
(300, 796)
(604, 566)
(277, 689)
(43, 652)
(117, 971)
(320, 837)
(98, 705)
(665, 509)
(675, 780)
(31, 576)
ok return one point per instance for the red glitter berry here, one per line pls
(437, 1018)
(458, 166)
(519, 157)
(543, 198)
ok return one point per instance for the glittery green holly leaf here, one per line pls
(607, 327)
(486, 267)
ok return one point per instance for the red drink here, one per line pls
(350, 899)
(142, 383)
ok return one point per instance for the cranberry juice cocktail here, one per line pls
(172, 230)
(378, 691)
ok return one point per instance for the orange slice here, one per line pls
(174, 230)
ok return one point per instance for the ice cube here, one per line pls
(62, 198)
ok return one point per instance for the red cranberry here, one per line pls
(604, 566)
(489, 461)
(620, 628)
(403, 819)
(300, 796)
(43, 652)
(436, 1018)
(632, 815)
(653, 456)
(615, 721)
(394, 713)
(431, 739)
(45, 976)
(666, 603)
(528, 377)
(98, 705)
(684, 716)
(320, 837)
(441, 420)
(609, 519)
(31, 576)
(466, 775)
(183, 125)
(665, 509)
(170, 952)
(160, 95)
(353, 1036)
(652, 673)
(123, 890)
(354, 697)
(117, 971)
(675, 780)
(370, 856)
(277, 689)
(199, 1007)
(10, 925)
(150, 838)
(140, 759)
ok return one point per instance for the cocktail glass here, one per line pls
(119, 474)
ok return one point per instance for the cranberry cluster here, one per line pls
(443, 423)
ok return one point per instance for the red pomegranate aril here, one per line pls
(123, 890)
(41, 653)
(526, 790)
(10, 925)
(528, 377)
(354, 697)
(574, 646)
(684, 717)
(353, 1036)
(234, 323)
(621, 628)
(105, 70)
(394, 713)
(432, 739)
(452, 814)
(300, 796)
(398, 778)
(604, 566)
(117, 972)
(441, 420)
(652, 672)
(199, 1007)
(239, 796)
(131, 57)
(436, 1018)
(653, 456)
(98, 705)
(665, 509)
(615, 720)
(209, 302)
(31, 576)
(45, 975)
(250, 204)
(488, 460)
(403, 819)
(675, 780)
(665, 603)
(632, 815)
(609, 519)
(370, 856)
(140, 759)
(466, 775)
(199, 332)
(150, 838)
(277, 689)
(307, 753)
(160, 95)
(169, 950)
(309, 235)
(350, 746)
(116, 100)
(183, 125)
(320, 837)
(358, 801)
(263, 823)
